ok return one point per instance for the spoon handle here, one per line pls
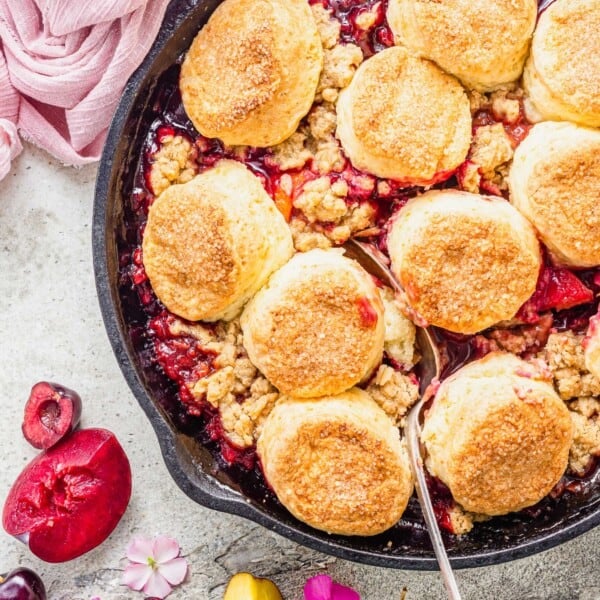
(413, 434)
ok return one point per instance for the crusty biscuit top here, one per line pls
(420, 118)
(469, 38)
(232, 84)
(564, 191)
(498, 435)
(566, 52)
(188, 247)
(467, 265)
(319, 335)
(336, 463)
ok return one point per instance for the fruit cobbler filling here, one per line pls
(326, 201)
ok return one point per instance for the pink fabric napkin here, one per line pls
(63, 66)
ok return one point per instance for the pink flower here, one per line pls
(322, 587)
(155, 566)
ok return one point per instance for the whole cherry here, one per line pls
(22, 584)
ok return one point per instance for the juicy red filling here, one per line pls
(367, 312)
(349, 12)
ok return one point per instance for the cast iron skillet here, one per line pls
(194, 465)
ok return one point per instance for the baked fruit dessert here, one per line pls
(497, 435)
(561, 74)
(466, 262)
(317, 327)
(484, 44)
(554, 181)
(251, 73)
(404, 118)
(252, 322)
(369, 488)
(211, 243)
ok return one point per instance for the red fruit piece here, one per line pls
(69, 498)
(558, 289)
(51, 412)
(566, 290)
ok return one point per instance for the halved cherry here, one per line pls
(51, 412)
(69, 498)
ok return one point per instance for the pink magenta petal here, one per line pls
(164, 549)
(139, 550)
(136, 576)
(341, 592)
(318, 588)
(157, 586)
(174, 571)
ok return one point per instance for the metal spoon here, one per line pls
(374, 262)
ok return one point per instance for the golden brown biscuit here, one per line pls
(367, 489)
(251, 73)
(554, 181)
(404, 118)
(465, 261)
(210, 244)
(562, 74)
(317, 327)
(484, 44)
(497, 435)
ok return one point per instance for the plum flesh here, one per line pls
(51, 412)
(69, 498)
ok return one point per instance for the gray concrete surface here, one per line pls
(51, 328)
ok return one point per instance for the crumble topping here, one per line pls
(506, 105)
(400, 333)
(292, 153)
(328, 27)
(307, 236)
(586, 442)
(322, 200)
(565, 357)
(242, 395)
(462, 521)
(339, 65)
(489, 157)
(314, 142)
(580, 389)
(394, 392)
(328, 156)
(322, 121)
(173, 163)
(366, 19)
(491, 148)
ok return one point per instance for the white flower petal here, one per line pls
(174, 571)
(136, 576)
(139, 550)
(164, 549)
(157, 586)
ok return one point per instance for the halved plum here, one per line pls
(69, 498)
(51, 412)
